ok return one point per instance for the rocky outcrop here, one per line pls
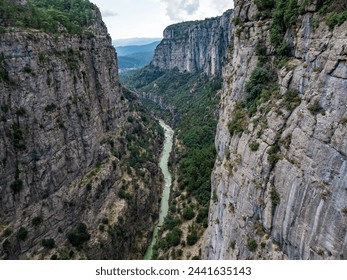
(279, 181)
(195, 46)
(69, 141)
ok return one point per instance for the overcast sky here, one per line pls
(148, 18)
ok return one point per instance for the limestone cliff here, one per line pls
(195, 46)
(69, 141)
(279, 182)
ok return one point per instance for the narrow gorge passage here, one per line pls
(164, 204)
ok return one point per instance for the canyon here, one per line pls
(257, 100)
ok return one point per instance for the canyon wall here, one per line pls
(195, 46)
(279, 182)
(70, 139)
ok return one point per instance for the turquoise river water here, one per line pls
(164, 204)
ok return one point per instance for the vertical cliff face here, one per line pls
(69, 139)
(195, 46)
(280, 177)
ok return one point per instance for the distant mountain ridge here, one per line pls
(135, 56)
(133, 49)
(134, 41)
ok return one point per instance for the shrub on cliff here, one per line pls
(22, 233)
(79, 235)
(48, 243)
(252, 245)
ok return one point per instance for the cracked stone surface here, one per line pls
(310, 177)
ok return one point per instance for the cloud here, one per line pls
(181, 9)
(108, 13)
(222, 5)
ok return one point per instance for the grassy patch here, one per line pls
(254, 146)
(239, 119)
(252, 245)
(273, 154)
(291, 100)
(275, 198)
(315, 108)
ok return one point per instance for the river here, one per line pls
(164, 204)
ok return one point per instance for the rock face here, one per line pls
(280, 183)
(195, 46)
(65, 136)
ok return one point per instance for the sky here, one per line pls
(148, 18)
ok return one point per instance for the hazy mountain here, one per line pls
(135, 56)
(134, 41)
(133, 49)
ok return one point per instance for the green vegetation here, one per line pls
(195, 122)
(239, 119)
(190, 101)
(36, 221)
(171, 222)
(202, 217)
(5, 108)
(50, 107)
(335, 12)
(139, 139)
(285, 13)
(315, 108)
(181, 29)
(141, 78)
(17, 185)
(22, 233)
(259, 80)
(17, 136)
(286, 141)
(192, 237)
(214, 197)
(264, 7)
(284, 16)
(172, 239)
(124, 194)
(260, 51)
(20, 112)
(254, 146)
(78, 236)
(275, 197)
(48, 243)
(47, 15)
(188, 213)
(7, 232)
(252, 245)
(291, 100)
(273, 154)
(27, 69)
(3, 72)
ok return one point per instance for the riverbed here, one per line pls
(164, 204)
